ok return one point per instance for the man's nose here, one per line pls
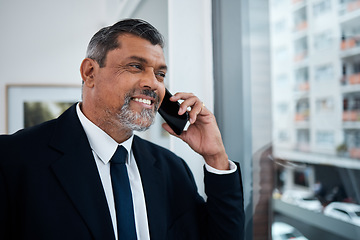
(148, 79)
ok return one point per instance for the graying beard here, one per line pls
(129, 118)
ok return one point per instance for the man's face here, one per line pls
(130, 88)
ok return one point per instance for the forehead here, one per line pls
(131, 45)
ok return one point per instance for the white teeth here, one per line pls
(146, 101)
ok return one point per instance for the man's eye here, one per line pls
(161, 74)
(137, 66)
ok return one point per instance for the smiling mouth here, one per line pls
(142, 100)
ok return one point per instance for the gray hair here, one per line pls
(105, 39)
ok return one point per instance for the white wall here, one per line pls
(191, 64)
(44, 41)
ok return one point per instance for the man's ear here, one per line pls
(87, 71)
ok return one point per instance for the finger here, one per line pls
(181, 96)
(190, 102)
(196, 108)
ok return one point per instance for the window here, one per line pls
(302, 75)
(351, 102)
(324, 72)
(301, 178)
(323, 40)
(326, 128)
(302, 79)
(281, 54)
(325, 138)
(300, 19)
(280, 26)
(321, 7)
(283, 108)
(283, 136)
(313, 152)
(324, 105)
(357, 67)
(301, 49)
(344, 213)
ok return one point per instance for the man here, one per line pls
(56, 179)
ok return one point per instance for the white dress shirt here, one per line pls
(103, 147)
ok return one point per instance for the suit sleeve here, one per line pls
(3, 208)
(224, 206)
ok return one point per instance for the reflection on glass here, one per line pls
(315, 46)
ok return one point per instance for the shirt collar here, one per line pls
(100, 142)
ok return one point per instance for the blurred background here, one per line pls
(281, 76)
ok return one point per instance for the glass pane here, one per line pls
(315, 64)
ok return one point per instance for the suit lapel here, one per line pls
(154, 188)
(77, 172)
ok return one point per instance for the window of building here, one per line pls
(325, 138)
(301, 49)
(300, 20)
(301, 178)
(324, 105)
(282, 79)
(283, 108)
(281, 54)
(280, 26)
(321, 7)
(324, 72)
(323, 40)
(283, 135)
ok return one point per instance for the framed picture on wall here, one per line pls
(28, 105)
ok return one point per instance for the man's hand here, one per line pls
(203, 134)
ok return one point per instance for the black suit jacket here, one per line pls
(50, 189)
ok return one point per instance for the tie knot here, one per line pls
(120, 155)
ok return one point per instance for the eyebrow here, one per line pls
(143, 60)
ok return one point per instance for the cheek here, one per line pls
(109, 96)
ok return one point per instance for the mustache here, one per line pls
(150, 93)
(146, 92)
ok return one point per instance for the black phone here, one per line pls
(169, 111)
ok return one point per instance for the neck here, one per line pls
(116, 132)
(113, 128)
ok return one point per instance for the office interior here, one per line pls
(281, 76)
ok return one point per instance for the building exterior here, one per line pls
(315, 49)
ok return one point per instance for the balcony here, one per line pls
(350, 43)
(349, 7)
(354, 78)
(302, 87)
(352, 6)
(302, 116)
(354, 153)
(350, 47)
(351, 116)
(301, 26)
(300, 56)
(303, 147)
(350, 83)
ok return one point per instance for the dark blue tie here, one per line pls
(122, 195)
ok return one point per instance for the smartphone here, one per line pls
(169, 112)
